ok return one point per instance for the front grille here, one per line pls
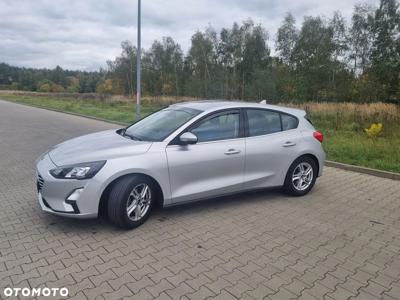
(39, 183)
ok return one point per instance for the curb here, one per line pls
(364, 170)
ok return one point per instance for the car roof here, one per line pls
(213, 105)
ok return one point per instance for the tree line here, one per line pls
(321, 59)
(46, 80)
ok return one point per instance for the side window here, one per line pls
(263, 122)
(289, 122)
(219, 127)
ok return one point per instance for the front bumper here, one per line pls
(53, 193)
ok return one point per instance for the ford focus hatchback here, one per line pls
(185, 152)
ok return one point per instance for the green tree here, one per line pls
(385, 54)
(361, 37)
(286, 39)
(199, 63)
(312, 58)
(166, 59)
(123, 70)
(73, 84)
(256, 64)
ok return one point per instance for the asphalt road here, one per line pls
(342, 241)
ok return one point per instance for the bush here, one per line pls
(374, 130)
(45, 88)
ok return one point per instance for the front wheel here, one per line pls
(301, 176)
(131, 201)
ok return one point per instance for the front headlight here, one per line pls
(78, 171)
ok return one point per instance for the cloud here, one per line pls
(78, 34)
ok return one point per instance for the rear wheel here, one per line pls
(131, 201)
(301, 176)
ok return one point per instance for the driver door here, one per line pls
(214, 165)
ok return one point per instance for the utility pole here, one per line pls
(138, 63)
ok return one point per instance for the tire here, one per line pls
(124, 195)
(305, 183)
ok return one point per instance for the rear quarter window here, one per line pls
(289, 122)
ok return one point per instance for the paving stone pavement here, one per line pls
(342, 241)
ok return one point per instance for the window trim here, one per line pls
(308, 119)
(247, 131)
(176, 141)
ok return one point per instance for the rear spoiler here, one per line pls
(295, 111)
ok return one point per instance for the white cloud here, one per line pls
(84, 34)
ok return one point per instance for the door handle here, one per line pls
(289, 144)
(232, 151)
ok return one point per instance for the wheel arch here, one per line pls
(106, 192)
(313, 157)
(288, 186)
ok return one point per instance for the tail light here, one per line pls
(319, 136)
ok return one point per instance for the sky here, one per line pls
(84, 34)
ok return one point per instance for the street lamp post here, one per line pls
(138, 63)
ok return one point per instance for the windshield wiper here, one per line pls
(122, 132)
(132, 137)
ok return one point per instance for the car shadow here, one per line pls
(222, 202)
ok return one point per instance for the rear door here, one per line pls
(215, 165)
(272, 144)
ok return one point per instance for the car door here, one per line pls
(272, 144)
(215, 164)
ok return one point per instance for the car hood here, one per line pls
(96, 146)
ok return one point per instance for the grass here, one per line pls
(356, 149)
(343, 124)
(113, 111)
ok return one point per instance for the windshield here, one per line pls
(161, 124)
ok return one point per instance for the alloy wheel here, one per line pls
(302, 176)
(138, 202)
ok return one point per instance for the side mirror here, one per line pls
(188, 138)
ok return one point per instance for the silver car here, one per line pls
(185, 152)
